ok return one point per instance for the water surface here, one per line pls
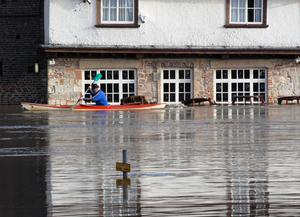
(196, 161)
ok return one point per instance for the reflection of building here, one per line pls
(246, 161)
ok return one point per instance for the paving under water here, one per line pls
(196, 161)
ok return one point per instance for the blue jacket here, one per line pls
(99, 98)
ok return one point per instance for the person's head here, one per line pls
(95, 87)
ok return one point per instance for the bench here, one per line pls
(193, 101)
(248, 99)
(287, 99)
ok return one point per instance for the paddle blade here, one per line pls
(97, 77)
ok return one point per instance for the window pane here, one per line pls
(240, 86)
(131, 87)
(247, 86)
(242, 15)
(94, 73)
(122, 3)
(181, 87)
(233, 74)
(258, 16)
(187, 96)
(225, 87)
(225, 97)
(122, 14)
(106, 14)
(247, 74)
(116, 97)
(250, 15)
(255, 87)
(172, 97)
(109, 75)
(225, 74)
(250, 3)
(218, 87)
(255, 74)
(240, 73)
(103, 87)
(181, 74)
(172, 87)
(234, 3)
(188, 74)
(87, 75)
(129, 3)
(166, 87)
(131, 74)
(109, 88)
(105, 3)
(125, 74)
(129, 13)
(113, 14)
(125, 87)
(233, 87)
(166, 97)
(262, 87)
(166, 74)
(116, 75)
(109, 97)
(103, 75)
(262, 74)
(258, 3)
(125, 96)
(116, 88)
(218, 97)
(187, 87)
(181, 97)
(113, 3)
(218, 74)
(234, 15)
(172, 74)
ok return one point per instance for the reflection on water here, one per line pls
(199, 161)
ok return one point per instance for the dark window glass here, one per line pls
(233, 87)
(172, 88)
(181, 74)
(172, 97)
(188, 74)
(166, 87)
(219, 87)
(225, 74)
(116, 75)
(233, 74)
(172, 74)
(125, 96)
(116, 88)
(250, 15)
(240, 74)
(109, 88)
(262, 87)
(166, 74)
(132, 94)
(218, 74)
(116, 97)
(262, 74)
(247, 86)
(109, 97)
(225, 97)
(125, 87)
(255, 74)
(86, 86)
(181, 87)
(94, 73)
(240, 86)
(247, 74)
(166, 97)
(131, 87)
(187, 96)
(87, 75)
(125, 74)
(1, 69)
(109, 75)
(247, 94)
(103, 87)
(131, 75)
(251, 3)
(255, 87)
(103, 75)
(218, 97)
(225, 87)
(181, 97)
(187, 87)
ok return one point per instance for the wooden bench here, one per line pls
(288, 98)
(134, 100)
(193, 101)
(248, 99)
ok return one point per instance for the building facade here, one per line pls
(170, 51)
(23, 74)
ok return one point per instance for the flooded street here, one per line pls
(196, 161)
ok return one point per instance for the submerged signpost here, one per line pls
(125, 168)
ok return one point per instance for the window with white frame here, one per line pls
(246, 11)
(117, 11)
(116, 83)
(177, 85)
(239, 82)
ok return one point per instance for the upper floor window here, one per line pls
(246, 13)
(117, 13)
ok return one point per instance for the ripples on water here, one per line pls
(199, 161)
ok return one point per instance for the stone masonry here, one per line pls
(65, 76)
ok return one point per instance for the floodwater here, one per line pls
(196, 161)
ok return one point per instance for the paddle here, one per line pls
(97, 78)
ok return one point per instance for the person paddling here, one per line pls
(98, 96)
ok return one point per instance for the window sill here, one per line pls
(117, 25)
(246, 26)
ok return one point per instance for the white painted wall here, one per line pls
(173, 23)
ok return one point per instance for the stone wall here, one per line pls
(21, 33)
(65, 76)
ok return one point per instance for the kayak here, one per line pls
(82, 107)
